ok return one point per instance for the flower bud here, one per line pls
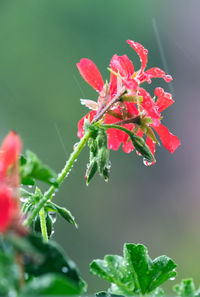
(142, 148)
(102, 159)
(102, 139)
(106, 173)
(92, 169)
(93, 148)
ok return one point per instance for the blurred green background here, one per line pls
(40, 43)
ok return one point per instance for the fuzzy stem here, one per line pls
(61, 176)
(110, 104)
(108, 126)
(43, 225)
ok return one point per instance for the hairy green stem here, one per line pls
(108, 126)
(43, 225)
(61, 176)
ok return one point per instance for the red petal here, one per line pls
(156, 72)
(10, 150)
(128, 147)
(91, 74)
(151, 144)
(6, 209)
(91, 114)
(131, 108)
(149, 106)
(141, 51)
(140, 133)
(115, 136)
(123, 65)
(130, 84)
(113, 85)
(169, 141)
(164, 99)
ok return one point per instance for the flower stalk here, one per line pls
(61, 176)
(43, 225)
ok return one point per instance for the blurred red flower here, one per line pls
(9, 180)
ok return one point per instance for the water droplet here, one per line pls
(138, 153)
(146, 163)
(75, 145)
(65, 269)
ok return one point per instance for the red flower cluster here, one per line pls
(124, 77)
(9, 181)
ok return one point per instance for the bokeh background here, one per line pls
(40, 43)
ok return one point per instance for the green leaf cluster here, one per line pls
(186, 289)
(32, 168)
(99, 156)
(48, 270)
(134, 273)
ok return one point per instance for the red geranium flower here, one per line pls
(9, 180)
(124, 76)
(169, 141)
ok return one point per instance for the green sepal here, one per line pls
(130, 98)
(87, 126)
(149, 132)
(31, 168)
(63, 212)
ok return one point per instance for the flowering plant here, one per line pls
(31, 263)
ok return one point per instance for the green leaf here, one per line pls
(186, 289)
(31, 168)
(22, 244)
(54, 261)
(48, 285)
(9, 273)
(64, 213)
(149, 132)
(135, 273)
(148, 274)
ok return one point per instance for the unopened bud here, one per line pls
(106, 173)
(102, 159)
(102, 138)
(92, 169)
(142, 148)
